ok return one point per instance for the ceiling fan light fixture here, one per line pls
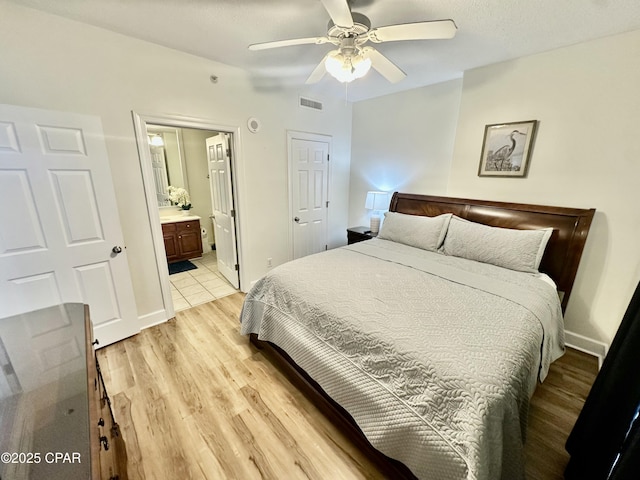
(361, 65)
(347, 68)
(350, 31)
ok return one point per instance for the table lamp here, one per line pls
(376, 201)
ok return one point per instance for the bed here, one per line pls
(426, 344)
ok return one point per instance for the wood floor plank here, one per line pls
(302, 416)
(122, 411)
(195, 400)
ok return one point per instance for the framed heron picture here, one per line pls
(506, 149)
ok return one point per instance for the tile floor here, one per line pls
(201, 285)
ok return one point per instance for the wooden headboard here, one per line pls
(563, 252)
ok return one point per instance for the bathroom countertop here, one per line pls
(178, 218)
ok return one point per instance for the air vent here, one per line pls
(308, 103)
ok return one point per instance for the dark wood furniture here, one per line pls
(560, 262)
(55, 415)
(358, 234)
(112, 454)
(182, 240)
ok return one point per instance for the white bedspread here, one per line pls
(435, 357)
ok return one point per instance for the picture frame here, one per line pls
(507, 148)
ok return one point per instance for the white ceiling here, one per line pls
(489, 31)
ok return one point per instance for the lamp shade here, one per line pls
(346, 68)
(377, 201)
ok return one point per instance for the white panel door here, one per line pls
(60, 235)
(160, 177)
(223, 216)
(309, 165)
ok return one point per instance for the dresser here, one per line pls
(56, 419)
(182, 239)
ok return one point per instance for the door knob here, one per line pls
(117, 249)
(297, 219)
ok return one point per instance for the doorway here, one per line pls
(180, 159)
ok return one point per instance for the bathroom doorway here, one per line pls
(174, 157)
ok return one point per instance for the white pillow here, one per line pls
(426, 233)
(505, 247)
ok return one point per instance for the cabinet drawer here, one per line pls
(168, 228)
(188, 226)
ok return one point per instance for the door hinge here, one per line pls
(327, 157)
(237, 267)
(233, 213)
(326, 247)
(327, 204)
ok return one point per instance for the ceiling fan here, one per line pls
(350, 31)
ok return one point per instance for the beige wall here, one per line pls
(403, 142)
(586, 154)
(54, 63)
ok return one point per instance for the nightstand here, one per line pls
(358, 234)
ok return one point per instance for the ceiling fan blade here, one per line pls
(318, 72)
(383, 65)
(287, 43)
(339, 12)
(437, 29)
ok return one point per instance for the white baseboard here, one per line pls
(153, 318)
(587, 345)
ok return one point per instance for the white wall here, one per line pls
(586, 155)
(403, 142)
(54, 63)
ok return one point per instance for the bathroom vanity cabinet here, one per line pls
(182, 239)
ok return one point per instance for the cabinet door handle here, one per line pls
(101, 422)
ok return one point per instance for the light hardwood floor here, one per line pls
(195, 401)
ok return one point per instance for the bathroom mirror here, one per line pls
(167, 158)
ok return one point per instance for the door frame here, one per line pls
(140, 122)
(314, 137)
